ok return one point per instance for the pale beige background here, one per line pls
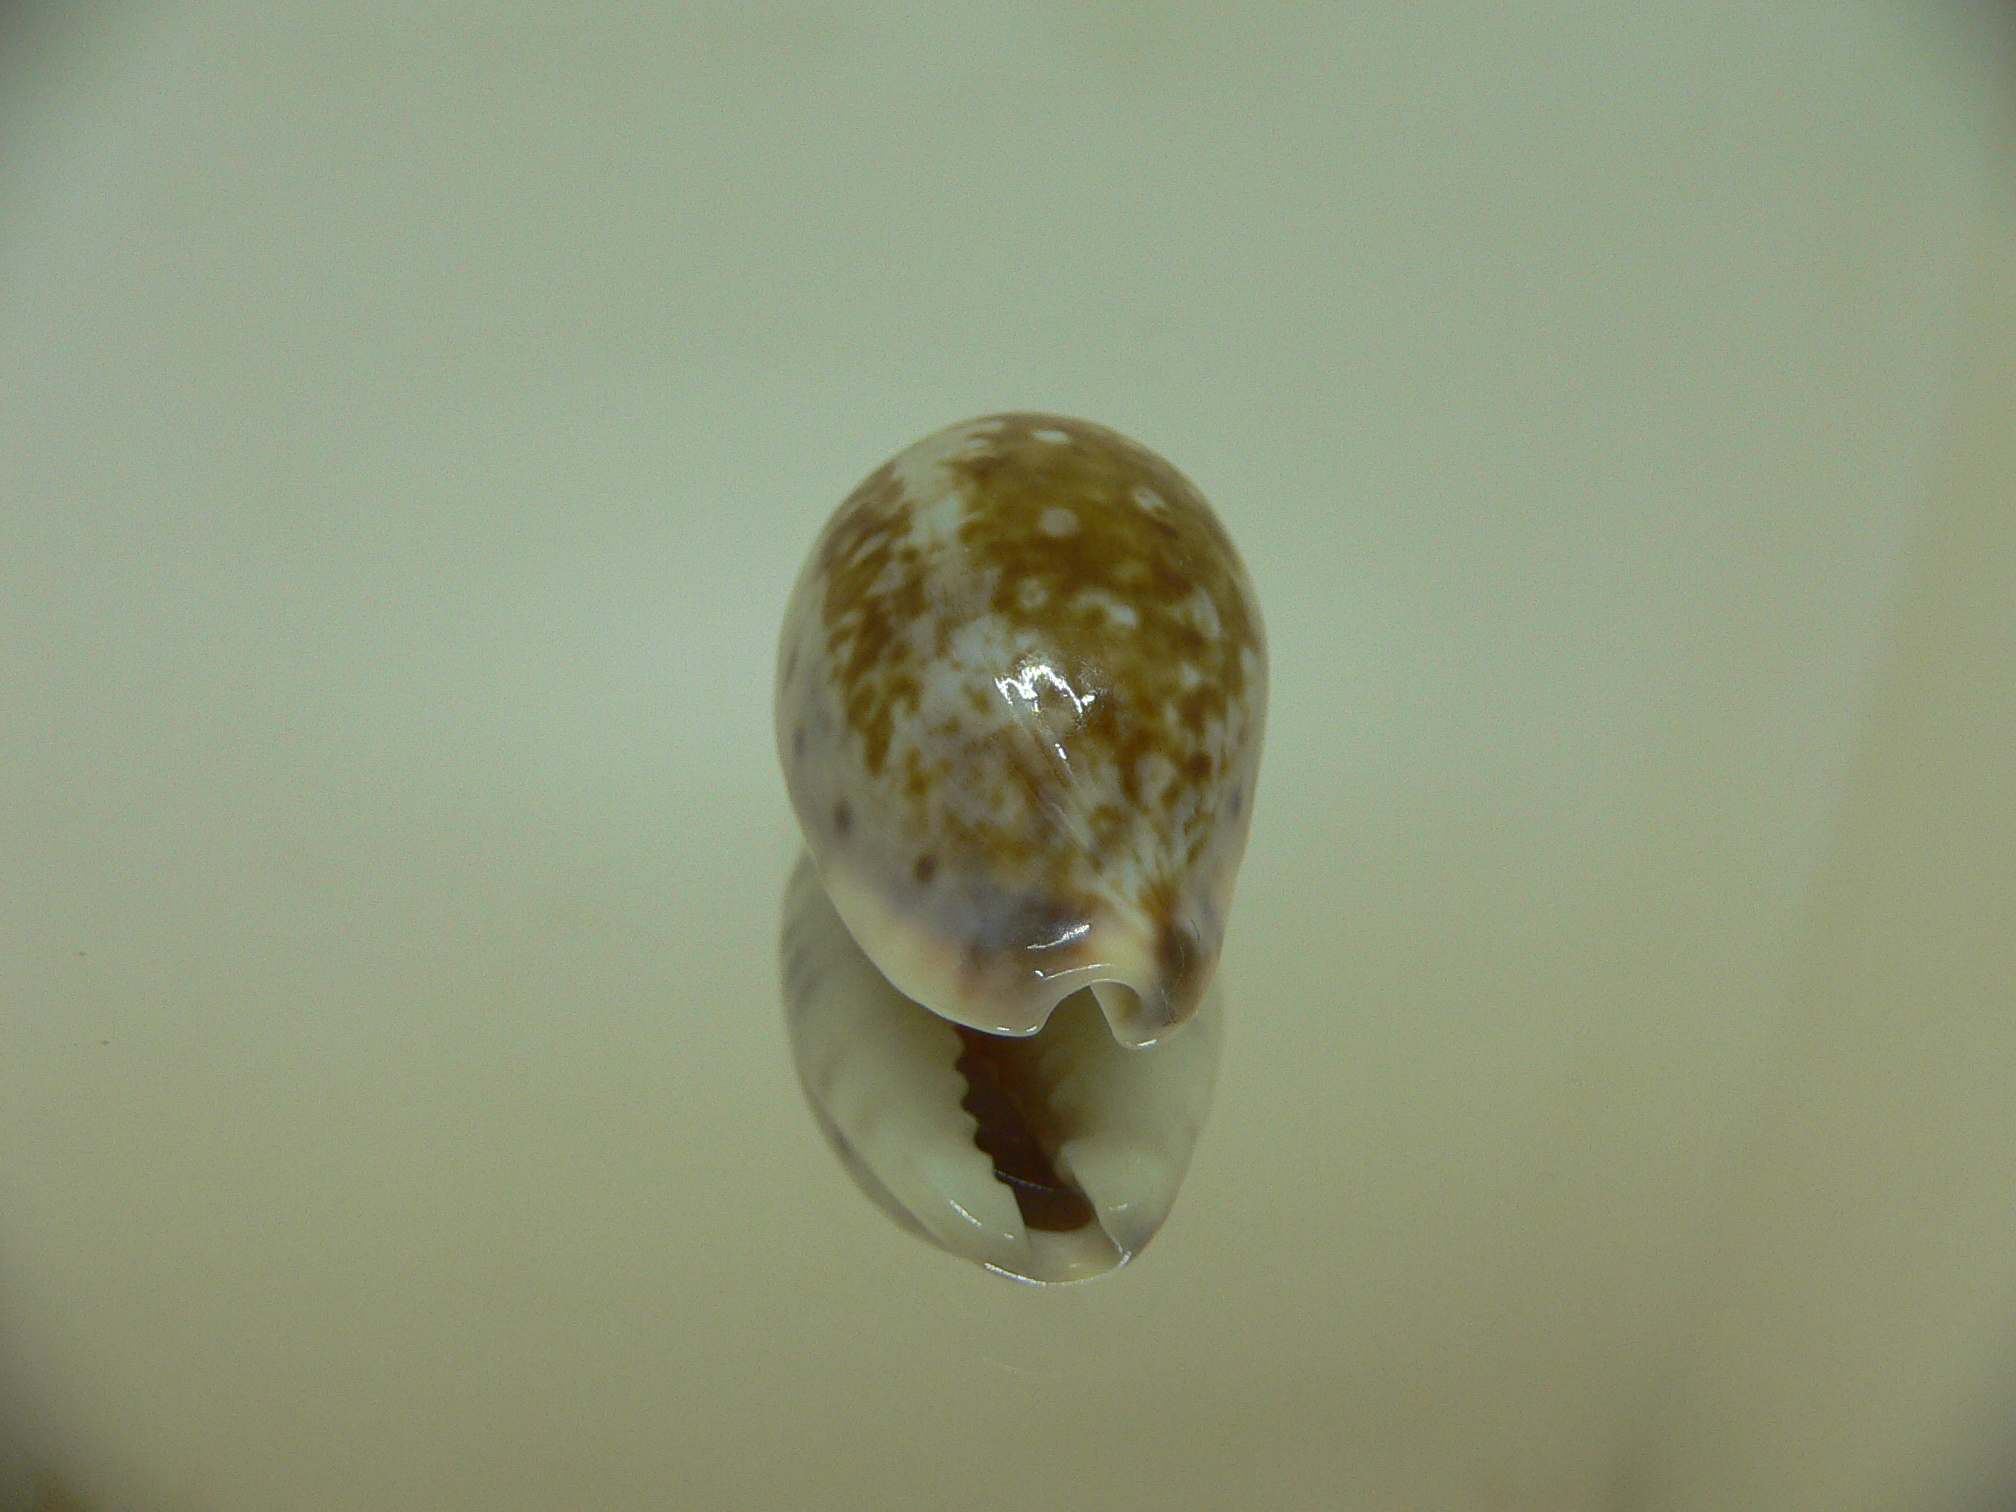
(411, 419)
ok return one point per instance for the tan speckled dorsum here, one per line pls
(1020, 695)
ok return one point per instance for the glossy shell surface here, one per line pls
(1021, 687)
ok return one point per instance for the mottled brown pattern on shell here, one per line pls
(1009, 805)
(1152, 560)
(864, 541)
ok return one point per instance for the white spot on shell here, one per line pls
(925, 474)
(1054, 437)
(1148, 499)
(1155, 772)
(1205, 612)
(1058, 522)
(1118, 613)
(1030, 594)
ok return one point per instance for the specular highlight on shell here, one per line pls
(1021, 687)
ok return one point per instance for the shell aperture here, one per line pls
(1021, 687)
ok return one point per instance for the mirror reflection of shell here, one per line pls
(1051, 1158)
(1020, 693)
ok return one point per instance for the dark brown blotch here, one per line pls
(843, 819)
(916, 775)
(925, 869)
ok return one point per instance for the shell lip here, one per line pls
(1089, 1270)
(1111, 955)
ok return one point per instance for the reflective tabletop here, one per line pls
(412, 422)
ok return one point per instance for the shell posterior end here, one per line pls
(1145, 990)
(1127, 1016)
